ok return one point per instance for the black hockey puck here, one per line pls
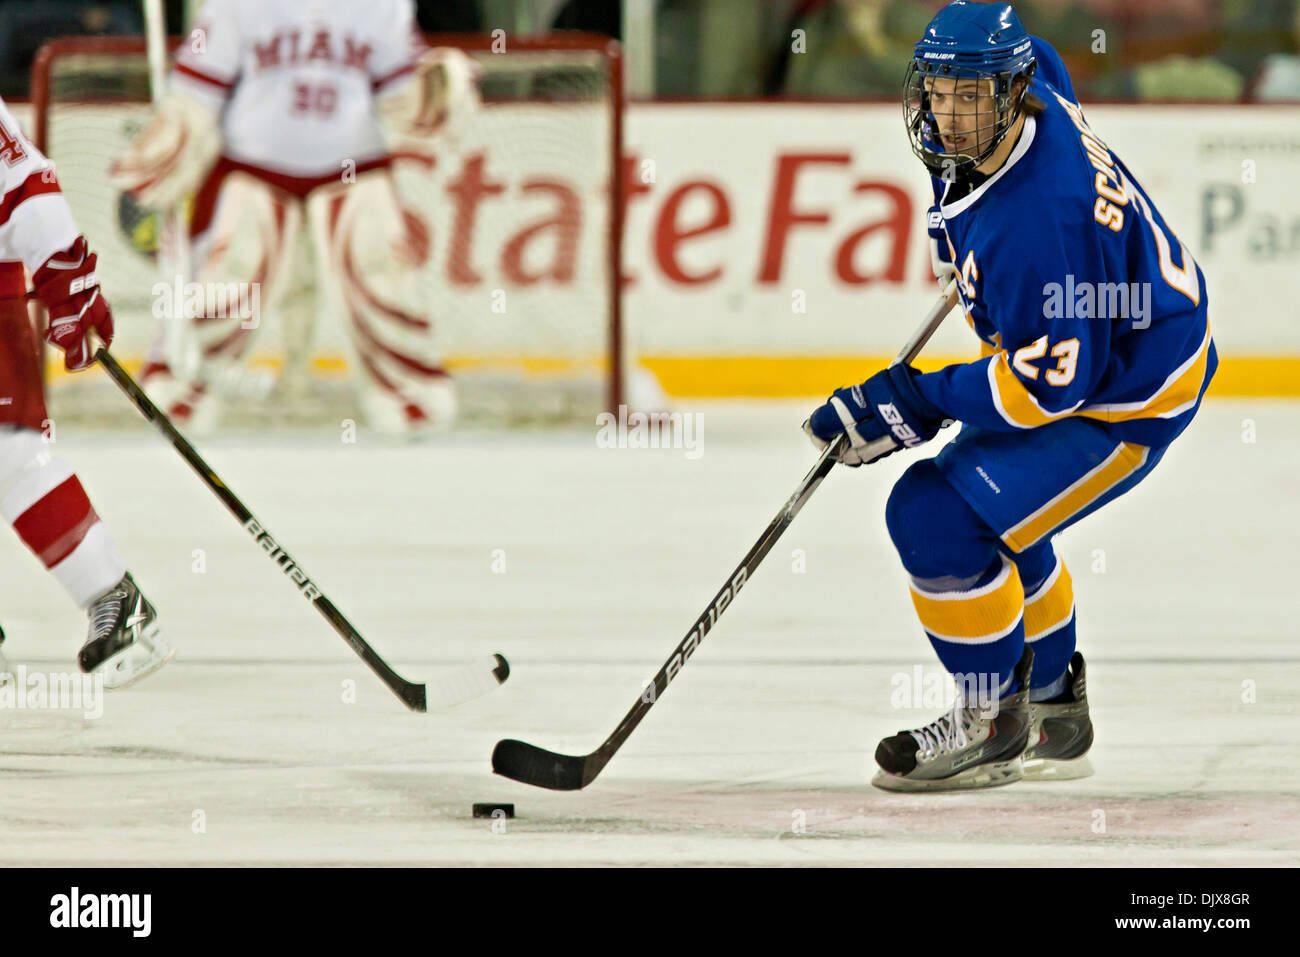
(490, 810)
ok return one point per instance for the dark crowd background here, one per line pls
(1229, 50)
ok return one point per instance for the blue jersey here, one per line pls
(1087, 302)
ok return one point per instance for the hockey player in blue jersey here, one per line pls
(1096, 351)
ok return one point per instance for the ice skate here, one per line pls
(124, 643)
(1060, 732)
(966, 748)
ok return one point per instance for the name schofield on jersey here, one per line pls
(281, 558)
(133, 911)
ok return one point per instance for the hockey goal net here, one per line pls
(522, 280)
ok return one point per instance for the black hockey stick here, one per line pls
(562, 772)
(463, 685)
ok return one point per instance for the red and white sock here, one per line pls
(43, 500)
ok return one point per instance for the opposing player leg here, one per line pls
(242, 262)
(44, 501)
(369, 252)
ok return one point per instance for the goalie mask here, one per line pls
(959, 96)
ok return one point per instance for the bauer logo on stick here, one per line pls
(281, 558)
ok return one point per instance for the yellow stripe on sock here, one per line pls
(1051, 606)
(978, 616)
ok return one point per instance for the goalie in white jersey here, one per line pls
(273, 122)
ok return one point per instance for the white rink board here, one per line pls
(1246, 236)
(608, 556)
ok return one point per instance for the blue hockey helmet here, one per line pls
(965, 40)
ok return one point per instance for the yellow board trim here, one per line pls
(815, 377)
(789, 377)
(335, 365)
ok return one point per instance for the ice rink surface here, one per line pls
(585, 566)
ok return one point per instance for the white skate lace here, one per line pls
(946, 734)
(104, 613)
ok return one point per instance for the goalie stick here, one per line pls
(180, 350)
(530, 764)
(462, 685)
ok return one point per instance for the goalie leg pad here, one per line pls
(244, 260)
(242, 264)
(372, 252)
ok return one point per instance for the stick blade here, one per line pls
(467, 683)
(527, 764)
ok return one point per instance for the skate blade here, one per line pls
(1048, 769)
(983, 776)
(138, 660)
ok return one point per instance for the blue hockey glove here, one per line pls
(882, 415)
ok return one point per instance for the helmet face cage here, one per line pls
(982, 136)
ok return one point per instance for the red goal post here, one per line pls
(553, 114)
